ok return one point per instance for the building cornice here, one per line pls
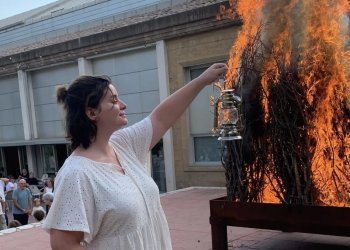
(140, 34)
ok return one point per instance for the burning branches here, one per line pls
(289, 168)
(251, 12)
(325, 77)
(244, 169)
(294, 84)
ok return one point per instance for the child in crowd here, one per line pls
(39, 215)
(37, 206)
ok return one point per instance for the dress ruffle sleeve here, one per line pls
(73, 207)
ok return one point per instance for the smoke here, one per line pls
(277, 21)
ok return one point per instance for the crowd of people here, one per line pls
(16, 197)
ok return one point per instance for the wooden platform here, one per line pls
(287, 218)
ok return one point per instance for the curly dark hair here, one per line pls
(39, 215)
(85, 91)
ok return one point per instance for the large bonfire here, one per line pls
(289, 65)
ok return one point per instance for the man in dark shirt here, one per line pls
(32, 180)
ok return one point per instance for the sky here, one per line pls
(12, 7)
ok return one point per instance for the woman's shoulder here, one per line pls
(74, 172)
(75, 165)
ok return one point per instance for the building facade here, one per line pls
(149, 49)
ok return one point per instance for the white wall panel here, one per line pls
(9, 100)
(104, 65)
(136, 82)
(47, 128)
(133, 118)
(49, 115)
(135, 76)
(11, 133)
(11, 124)
(127, 83)
(134, 103)
(149, 100)
(149, 80)
(10, 117)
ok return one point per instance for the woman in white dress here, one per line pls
(104, 198)
(49, 186)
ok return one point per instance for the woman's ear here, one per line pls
(91, 113)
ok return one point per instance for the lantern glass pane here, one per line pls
(228, 116)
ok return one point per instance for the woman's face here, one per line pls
(49, 183)
(111, 114)
(47, 202)
(37, 203)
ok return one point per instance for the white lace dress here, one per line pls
(114, 211)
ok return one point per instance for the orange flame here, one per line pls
(320, 37)
(251, 14)
(278, 41)
(324, 73)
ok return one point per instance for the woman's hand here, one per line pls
(213, 73)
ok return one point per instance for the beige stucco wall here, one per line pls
(188, 51)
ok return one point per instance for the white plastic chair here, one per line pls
(35, 191)
(44, 178)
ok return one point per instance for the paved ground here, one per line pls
(188, 216)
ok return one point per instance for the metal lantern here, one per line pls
(228, 124)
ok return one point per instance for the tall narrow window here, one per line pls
(62, 153)
(49, 159)
(22, 156)
(3, 172)
(205, 147)
(158, 166)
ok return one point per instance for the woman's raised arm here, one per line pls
(168, 111)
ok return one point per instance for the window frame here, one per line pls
(2, 163)
(43, 158)
(193, 165)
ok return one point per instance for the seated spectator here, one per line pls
(49, 186)
(37, 206)
(48, 199)
(32, 180)
(24, 174)
(39, 215)
(14, 223)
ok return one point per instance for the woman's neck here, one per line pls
(97, 150)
